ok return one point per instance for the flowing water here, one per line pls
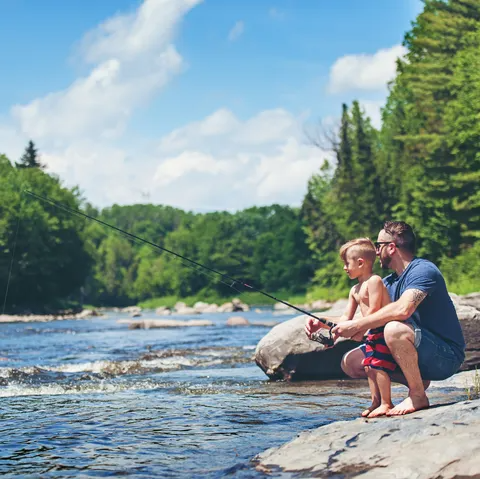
(91, 398)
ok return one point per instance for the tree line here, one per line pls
(422, 166)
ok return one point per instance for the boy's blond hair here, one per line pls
(359, 248)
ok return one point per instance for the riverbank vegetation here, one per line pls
(422, 166)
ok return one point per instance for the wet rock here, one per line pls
(263, 324)
(131, 310)
(472, 299)
(469, 315)
(280, 307)
(163, 311)
(321, 305)
(233, 306)
(164, 323)
(239, 305)
(182, 308)
(439, 442)
(203, 308)
(226, 308)
(285, 352)
(237, 321)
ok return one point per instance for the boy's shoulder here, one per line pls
(374, 280)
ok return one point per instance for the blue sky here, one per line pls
(198, 104)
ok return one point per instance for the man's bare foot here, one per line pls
(409, 405)
(381, 410)
(370, 409)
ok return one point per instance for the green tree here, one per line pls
(424, 91)
(51, 262)
(30, 158)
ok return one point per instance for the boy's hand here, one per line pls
(346, 329)
(312, 325)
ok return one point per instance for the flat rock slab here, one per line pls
(164, 323)
(442, 442)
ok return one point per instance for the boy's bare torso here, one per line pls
(361, 294)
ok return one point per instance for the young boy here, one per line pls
(370, 294)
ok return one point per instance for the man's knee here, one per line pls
(398, 331)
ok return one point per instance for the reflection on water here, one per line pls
(92, 398)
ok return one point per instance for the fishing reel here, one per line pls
(327, 341)
(319, 337)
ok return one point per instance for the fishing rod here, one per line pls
(315, 337)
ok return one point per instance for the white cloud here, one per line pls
(12, 142)
(373, 111)
(257, 161)
(187, 162)
(134, 59)
(236, 32)
(218, 162)
(365, 72)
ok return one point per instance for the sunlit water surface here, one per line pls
(91, 398)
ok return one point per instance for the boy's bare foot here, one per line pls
(370, 409)
(409, 405)
(381, 410)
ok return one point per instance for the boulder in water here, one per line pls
(285, 352)
(237, 321)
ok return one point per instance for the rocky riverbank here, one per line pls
(441, 442)
(43, 318)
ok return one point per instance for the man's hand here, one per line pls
(346, 329)
(313, 325)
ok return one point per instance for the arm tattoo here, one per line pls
(417, 297)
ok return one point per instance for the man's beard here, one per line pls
(385, 262)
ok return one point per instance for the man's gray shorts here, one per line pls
(437, 360)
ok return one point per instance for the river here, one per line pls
(90, 398)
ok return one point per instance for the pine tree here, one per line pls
(30, 158)
(367, 182)
(342, 198)
(464, 138)
(419, 101)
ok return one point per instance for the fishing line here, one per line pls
(231, 281)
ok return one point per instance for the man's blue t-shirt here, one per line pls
(436, 312)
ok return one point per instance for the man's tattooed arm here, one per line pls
(415, 296)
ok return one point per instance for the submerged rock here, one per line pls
(164, 323)
(441, 442)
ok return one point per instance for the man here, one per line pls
(422, 329)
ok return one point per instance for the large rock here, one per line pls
(287, 353)
(202, 307)
(472, 299)
(237, 321)
(442, 442)
(183, 309)
(131, 310)
(468, 311)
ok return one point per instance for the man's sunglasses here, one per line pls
(379, 243)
